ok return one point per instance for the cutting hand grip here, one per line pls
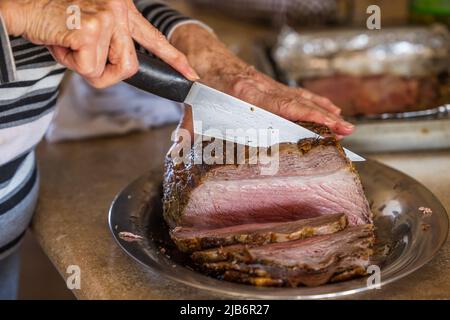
(157, 77)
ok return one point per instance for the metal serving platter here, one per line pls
(406, 238)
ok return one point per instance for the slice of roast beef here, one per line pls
(312, 261)
(190, 239)
(293, 278)
(314, 178)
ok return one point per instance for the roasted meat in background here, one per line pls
(369, 71)
(358, 95)
(232, 211)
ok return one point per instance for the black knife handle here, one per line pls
(157, 77)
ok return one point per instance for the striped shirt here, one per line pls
(29, 87)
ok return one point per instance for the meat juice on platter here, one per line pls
(309, 224)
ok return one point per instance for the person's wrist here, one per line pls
(215, 64)
(196, 42)
(184, 34)
(15, 15)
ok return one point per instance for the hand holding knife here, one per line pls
(215, 109)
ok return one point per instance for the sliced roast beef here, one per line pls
(293, 278)
(278, 230)
(190, 239)
(314, 178)
(312, 261)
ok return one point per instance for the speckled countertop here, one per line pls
(80, 179)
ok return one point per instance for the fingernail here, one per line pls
(193, 75)
(348, 125)
(330, 123)
(307, 95)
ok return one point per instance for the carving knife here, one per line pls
(215, 113)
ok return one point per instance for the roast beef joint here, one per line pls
(308, 224)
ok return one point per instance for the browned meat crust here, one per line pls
(309, 262)
(293, 280)
(193, 239)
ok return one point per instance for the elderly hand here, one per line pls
(102, 49)
(221, 69)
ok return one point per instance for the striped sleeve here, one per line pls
(164, 18)
(7, 65)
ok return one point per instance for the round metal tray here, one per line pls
(406, 239)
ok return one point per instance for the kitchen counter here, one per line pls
(80, 179)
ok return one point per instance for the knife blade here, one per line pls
(217, 114)
(227, 118)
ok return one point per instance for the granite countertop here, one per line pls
(80, 179)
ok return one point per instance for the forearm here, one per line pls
(14, 13)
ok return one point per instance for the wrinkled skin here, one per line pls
(102, 49)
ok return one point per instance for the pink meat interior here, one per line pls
(317, 183)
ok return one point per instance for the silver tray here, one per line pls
(406, 240)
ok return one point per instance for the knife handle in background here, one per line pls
(157, 77)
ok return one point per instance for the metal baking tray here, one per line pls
(406, 239)
(416, 130)
(403, 51)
